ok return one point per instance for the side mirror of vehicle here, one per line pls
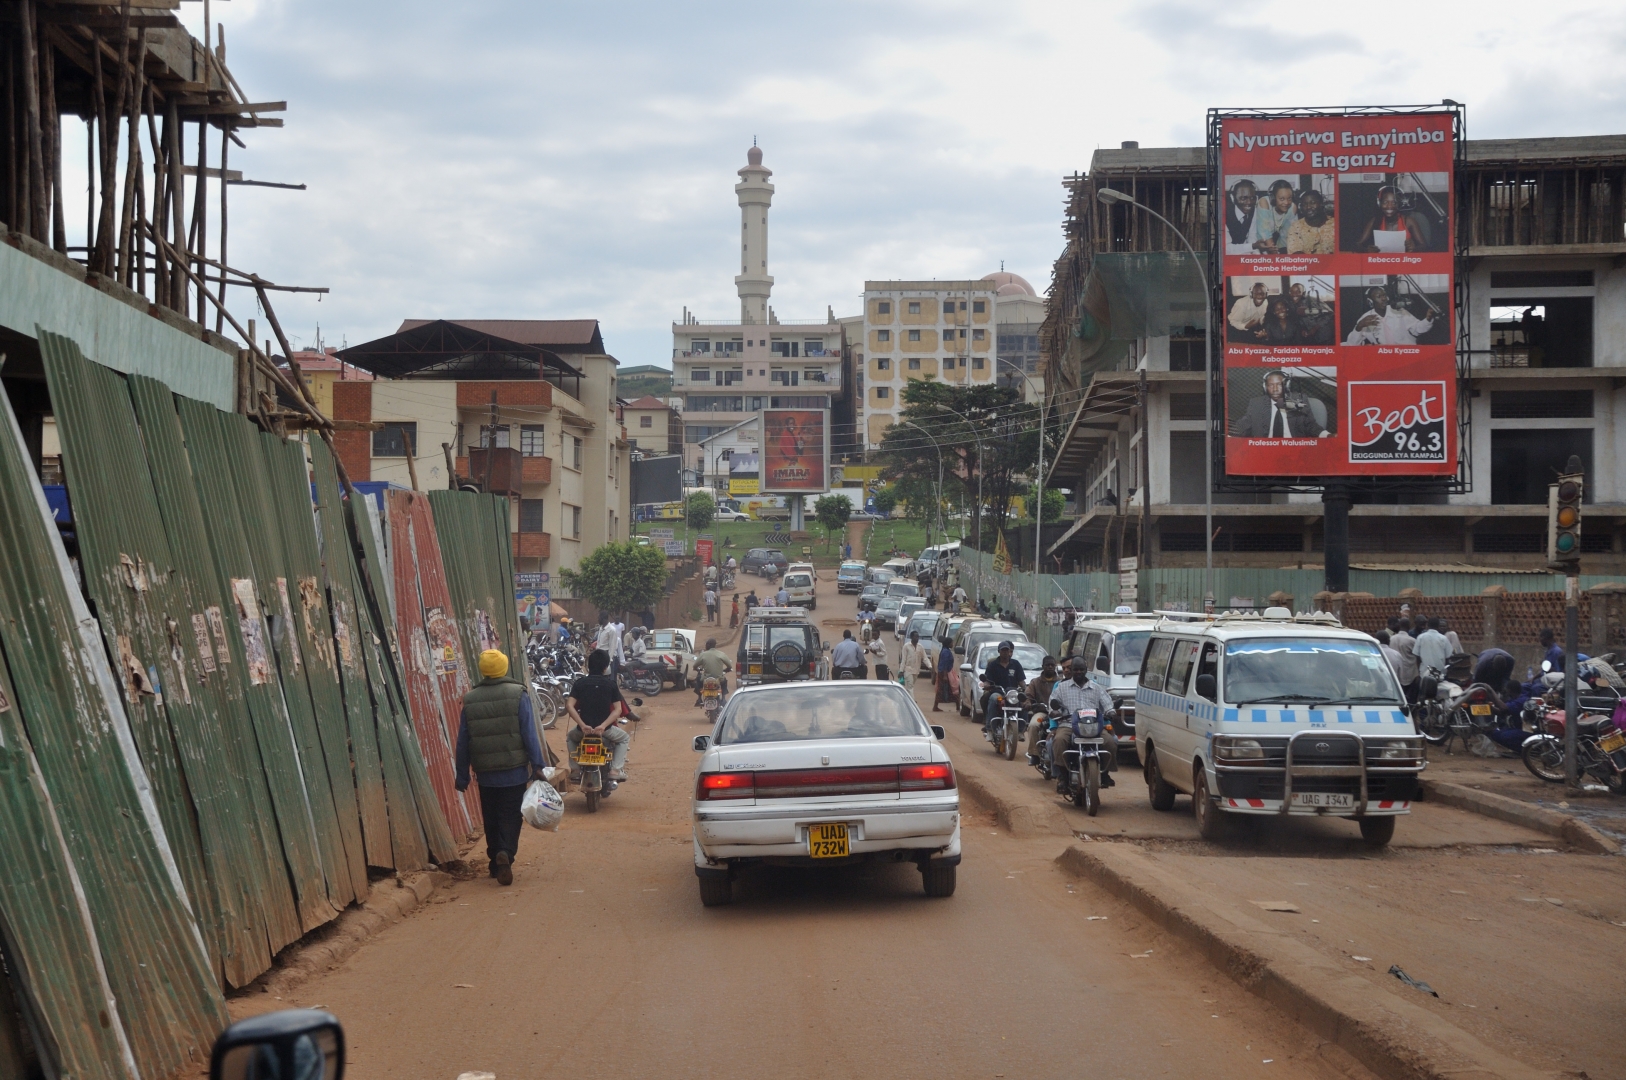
(966, 668)
(959, 650)
(290, 1043)
(702, 743)
(1206, 687)
(939, 732)
(1102, 665)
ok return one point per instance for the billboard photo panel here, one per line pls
(795, 451)
(1336, 252)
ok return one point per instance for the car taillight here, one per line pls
(1478, 694)
(812, 783)
(934, 777)
(726, 785)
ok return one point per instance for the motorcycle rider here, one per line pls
(848, 655)
(1004, 672)
(713, 663)
(594, 705)
(1076, 693)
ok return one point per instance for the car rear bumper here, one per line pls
(1379, 808)
(770, 833)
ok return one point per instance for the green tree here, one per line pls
(1055, 504)
(832, 511)
(619, 577)
(700, 509)
(886, 500)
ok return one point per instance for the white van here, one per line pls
(1275, 714)
(944, 552)
(800, 585)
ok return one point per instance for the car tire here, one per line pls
(1210, 818)
(1377, 831)
(960, 704)
(938, 880)
(1158, 790)
(716, 890)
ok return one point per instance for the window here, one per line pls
(884, 307)
(883, 363)
(948, 363)
(530, 516)
(914, 335)
(948, 306)
(392, 440)
(979, 307)
(1185, 353)
(575, 518)
(1186, 407)
(976, 363)
(531, 442)
(883, 335)
(700, 346)
(1541, 332)
(786, 348)
(646, 421)
(785, 378)
(882, 393)
(700, 374)
(976, 335)
(1541, 405)
(494, 436)
(914, 307)
(576, 453)
(1210, 667)
(914, 364)
(1157, 663)
(715, 403)
(799, 401)
(1180, 667)
(1523, 463)
(729, 348)
(1540, 279)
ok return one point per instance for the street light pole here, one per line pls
(1109, 196)
(1038, 501)
(941, 534)
(978, 436)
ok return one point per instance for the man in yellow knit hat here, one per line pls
(497, 739)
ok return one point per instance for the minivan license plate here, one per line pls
(827, 841)
(1328, 799)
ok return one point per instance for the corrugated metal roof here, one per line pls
(560, 335)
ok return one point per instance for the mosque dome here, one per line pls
(753, 156)
(1008, 284)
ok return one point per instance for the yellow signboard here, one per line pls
(860, 473)
(743, 487)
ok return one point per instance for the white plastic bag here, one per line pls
(543, 807)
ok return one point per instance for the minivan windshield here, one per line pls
(837, 711)
(1314, 671)
(902, 588)
(1128, 651)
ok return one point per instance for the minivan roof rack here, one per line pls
(1270, 614)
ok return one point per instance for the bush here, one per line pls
(700, 509)
(619, 577)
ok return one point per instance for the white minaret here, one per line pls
(755, 194)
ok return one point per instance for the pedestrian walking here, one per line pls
(711, 604)
(496, 738)
(940, 678)
(910, 657)
(734, 615)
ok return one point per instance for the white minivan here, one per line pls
(800, 584)
(1275, 714)
(1112, 646)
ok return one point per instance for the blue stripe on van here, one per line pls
(1230, 716)
(1344, 716)
(1399, 717)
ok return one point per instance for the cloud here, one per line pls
(573, 159)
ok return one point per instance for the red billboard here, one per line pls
(795, 451)
(1337, 259)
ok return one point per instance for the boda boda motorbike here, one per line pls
(589, 763)
(1010, 725)
(1600, 747)
(711, 697)
(1078, 774)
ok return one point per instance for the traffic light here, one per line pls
(1564, 517)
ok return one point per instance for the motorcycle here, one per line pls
(1009, 727)
(1079, 772)
(1456, 713)
(642, 678)
(711, 697)
(589, 764)
(728, 580)
(1600, 750)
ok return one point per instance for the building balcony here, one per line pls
(536, 470)
(506, 470)
(533, 545)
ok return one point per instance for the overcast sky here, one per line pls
(546, 160)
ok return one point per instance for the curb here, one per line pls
(1571, 830)
(1397, 1039)
(327, 946)
(1017, 818)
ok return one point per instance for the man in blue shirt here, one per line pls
(945, 665)
(848, 655)
(496, 737)
(1551, 650)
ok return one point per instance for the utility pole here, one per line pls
(1564, 553)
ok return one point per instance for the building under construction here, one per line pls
(1544, 224)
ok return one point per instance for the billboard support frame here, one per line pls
(1459, 484)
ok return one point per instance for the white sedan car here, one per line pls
(820, 773)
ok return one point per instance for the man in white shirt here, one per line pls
(1247, 315)
(1385, 325)
(910, 657)
(1432, 647)
(1406, 646)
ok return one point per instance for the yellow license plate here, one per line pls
(592, 752)
(827, 841)
(1480, 710)
(1612, 741)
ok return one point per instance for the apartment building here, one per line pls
(653, 427)
(934, 330)
(725, 372)
(322, 368)
(522, 407)
(1545, 323)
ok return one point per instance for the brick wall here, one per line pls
(354, 401)
(1496, 619)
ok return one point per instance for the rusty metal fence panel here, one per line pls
(157, 966)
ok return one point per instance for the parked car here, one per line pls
(1029, 655)
(724, 514)
(886, 612)
(673, 650)
(758, 558)
(778, 645)
(765, 791)
(870, 597)
(925, 623)
(850, 578)
(906, 610)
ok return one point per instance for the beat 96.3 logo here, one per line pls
(1397, 421)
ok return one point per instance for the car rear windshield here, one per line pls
(1129, 651)
(902, 588)
(798, 581)
(881, 577)
(834, 712)
(982, 637)
(1310, 671)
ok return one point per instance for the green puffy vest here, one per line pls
(491, 711)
